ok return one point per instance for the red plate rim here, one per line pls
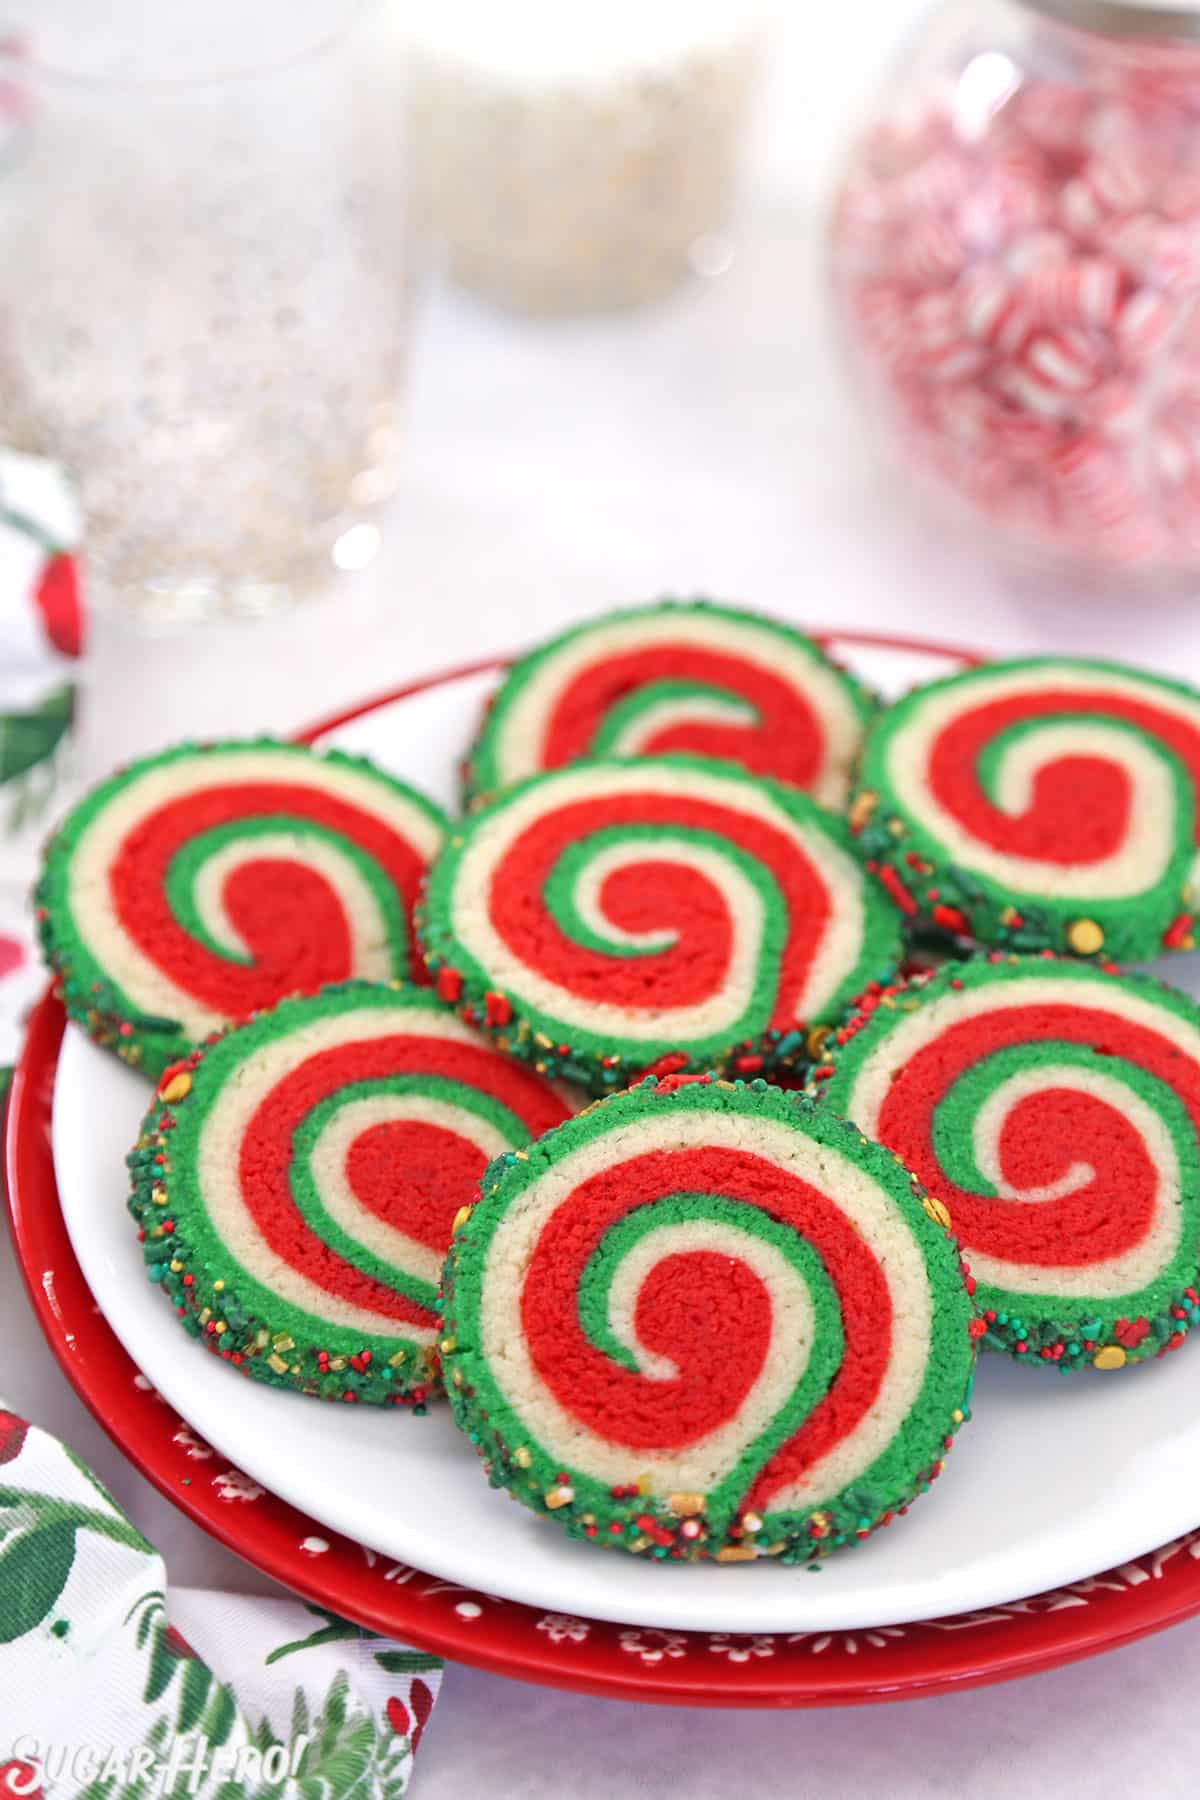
(671, 1667)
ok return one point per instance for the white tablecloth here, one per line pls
(556, 469)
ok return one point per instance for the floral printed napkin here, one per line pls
(41, 639)
(111, 1688)
(235, 1698)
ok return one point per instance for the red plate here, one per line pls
(690, 1668)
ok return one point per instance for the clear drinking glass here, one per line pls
(205, 286)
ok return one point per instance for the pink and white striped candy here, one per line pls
(1023, 291)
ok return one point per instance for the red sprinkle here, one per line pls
(889, 880)
(449, 984)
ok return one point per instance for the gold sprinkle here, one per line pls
(819, 1524)
(284, 1342)
(460, 1219)
(775, 1549)
(338, 1363)
(958, 1415)
(178, 1088)
(457, 1378)
(937, 1210)
(558, 1496)
(864, 805)
(1085, 937)
(737, 1553)
(814, 1043)
(205, 1315)
(898, 828)
(159, 1196)
(448, 1345)
(221, 1326)
(218, 1287)
(277, 1363)
(395, 1361)
(751, 1522)
(638, 1543)
(685, 1506)
(175, 1267)
(522, 1457)
(645, 1484)
(262, 1339)
(1111, 1357)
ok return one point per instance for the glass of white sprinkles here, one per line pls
(205, 296)
(1017, 257)
(575, 158)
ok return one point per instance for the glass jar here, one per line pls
(205, 297)
(1016, 252)
(568, 159)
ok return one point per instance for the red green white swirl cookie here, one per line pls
(677, 676)
(198, 885)
(1054, 1110)
(297, 1183)
(1043, 803)
(605, 916)
(707, 1320)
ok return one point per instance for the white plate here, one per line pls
(1055, 1478)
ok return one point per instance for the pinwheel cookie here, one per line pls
(707, 1320)
(297, 1182)
(604, 917)
(677, 676)
(1053, 1110)
(200, 884)
(1050, 802)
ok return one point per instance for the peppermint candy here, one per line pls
(603, 917)
(1018, 259)
(1053, 1110)
(707, 1320)
(198, 885)
(678, 676)
(1048, 802)
(297, 1183)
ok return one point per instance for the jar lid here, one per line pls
(1179, 19)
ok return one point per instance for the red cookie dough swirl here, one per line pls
(198, 885)
(1050, 802)
(677, 676)
(1054, 1111)
(602, 917)
(298, 1182)
(707, 1320)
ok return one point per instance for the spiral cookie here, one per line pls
(1048, 802)
(198, 885)
(602, 917)
(678, 676)
(1053, 1110)
(707, 1320)
(297, 1182)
